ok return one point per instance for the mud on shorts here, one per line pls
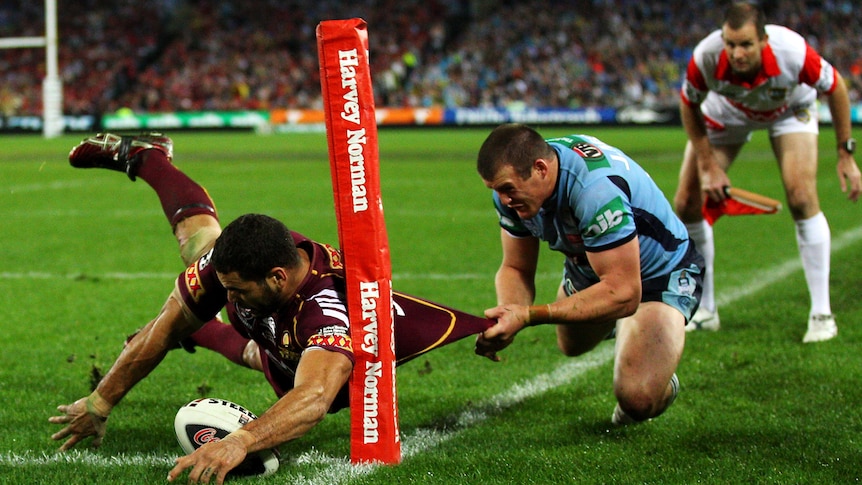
(681, 288)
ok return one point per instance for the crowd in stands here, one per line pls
(190, 55)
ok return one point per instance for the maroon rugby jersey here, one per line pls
(317, 317)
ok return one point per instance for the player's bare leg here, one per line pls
(797, 159)
(649, 346)
(688, 203)
(574, 339)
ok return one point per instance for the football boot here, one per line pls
(118, 152)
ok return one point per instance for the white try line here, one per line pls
(339, 469)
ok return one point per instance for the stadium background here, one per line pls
(174, 63)
(757, 407)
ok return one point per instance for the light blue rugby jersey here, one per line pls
(602, 200)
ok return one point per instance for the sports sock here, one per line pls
(180, 196)
(814, 240)
(222, 338)
(701, 233)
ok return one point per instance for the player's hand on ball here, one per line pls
(212, 460)
(82, 420)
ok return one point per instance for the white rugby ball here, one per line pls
(210, 419)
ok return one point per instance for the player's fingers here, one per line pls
(71, 442)
(221, 477)
(60, 419)
(182, 463)
(175, 472)
(485, 349)
(61, 434)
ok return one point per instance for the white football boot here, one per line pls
(820, 328)
(703, 319)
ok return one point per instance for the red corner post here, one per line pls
(351, 130)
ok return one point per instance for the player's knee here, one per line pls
(641, 403)
(638, 406)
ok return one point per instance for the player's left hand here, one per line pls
(849, 177)
(213, 459)
(510, 320)
(82, 421)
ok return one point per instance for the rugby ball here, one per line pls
(210, 419)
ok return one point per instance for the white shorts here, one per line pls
(728, 125)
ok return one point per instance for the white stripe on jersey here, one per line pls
(331, 305)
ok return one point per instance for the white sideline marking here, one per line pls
(83, 457)
(781, 271)
(340, 470)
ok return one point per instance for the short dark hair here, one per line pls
(252, 245)
(740, 13)
(512, 144)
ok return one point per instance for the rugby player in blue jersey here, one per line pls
(630, 268)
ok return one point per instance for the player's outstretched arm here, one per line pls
(849, 176)
(87, 417)
(319, 377)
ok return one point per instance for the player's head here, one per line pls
(744, 35)
(252, 245)
(511, 144)
(739, 14)
(520, 166)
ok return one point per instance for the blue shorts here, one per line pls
(681, 288)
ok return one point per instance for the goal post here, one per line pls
(52, 86)
(351, 132)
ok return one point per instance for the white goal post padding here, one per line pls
(52, 86)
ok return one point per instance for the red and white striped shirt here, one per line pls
(792, 73)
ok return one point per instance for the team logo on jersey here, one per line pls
(608, 219)
(776, 94)
(692, 93)
(584, 149)
(334, 257)
(591, 154)
(193, 283)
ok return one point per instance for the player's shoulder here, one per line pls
(712, 43)
(782, 33)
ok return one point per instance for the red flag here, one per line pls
(739, 202)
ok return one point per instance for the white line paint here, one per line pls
(777, 273)
(339, 470)
(83, 457)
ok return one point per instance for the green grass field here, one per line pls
(88, 258)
